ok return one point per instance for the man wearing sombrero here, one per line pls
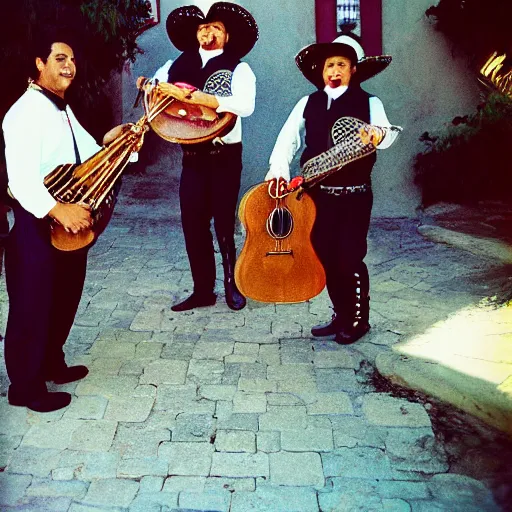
(344, 198)
(210, 179)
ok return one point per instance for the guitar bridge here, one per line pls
(279, 253)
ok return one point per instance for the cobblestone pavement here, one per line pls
(215, 410)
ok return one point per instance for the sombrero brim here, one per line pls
(311, 59)
(243, 31)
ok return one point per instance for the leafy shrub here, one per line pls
(469, 161)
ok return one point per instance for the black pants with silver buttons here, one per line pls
(340, 240)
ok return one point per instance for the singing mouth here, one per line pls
(67, 75)
(336, 82)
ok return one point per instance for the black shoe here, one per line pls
(234, 299)
(68, 374)
(327, 329)
(352, 334)
(196, 300)
(47, 402)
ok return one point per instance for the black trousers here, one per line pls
(210, 182)
(44, 286)
(339, 238)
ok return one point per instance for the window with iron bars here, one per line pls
(348, 15)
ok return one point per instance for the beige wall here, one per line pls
(423, 88)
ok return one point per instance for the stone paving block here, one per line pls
(193, 427)
(151, 484)
(211, 500)
(12, 488)
(330, 403)
(33, 461)
(51, 488)
(260, 336)
(7, 446)
(337, 379)
(178, 399)
(14, 419)
(96, 466)
(287, 372)
(268, 441)
(107, 386)
(246, 349)
(303, 386)
(111, 493)
(296, 351)
(240, 464)
(386, 489)
(129, 410)
(253, 371)
(105, 365)
(339, 358)
(187, 459)
(356, 463)
(230, 484)
(217, 392)
(213, 350)
(93, 435)
(138, 468)
(249, 402)
(178, 350)
(56, 434)
(184, 483)
(155, 502)
(284, 328)
(284, 399)
(272, 499)
(257, 385)
(296, 469)
(238, 422)
(164, 371)
(382, 409)
(148, 350)
(112, 349)
(338, 502)
(307, 440)
(139, 441)
(205, 371)
(148, 320)
(416, 450)
(235, 441)
(269, 355)
(283, 418)
(351, 431)
(462, 490)
(44, 504)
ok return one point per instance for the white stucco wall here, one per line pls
(424, 87)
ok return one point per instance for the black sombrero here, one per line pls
(243, 31)
(310, 60)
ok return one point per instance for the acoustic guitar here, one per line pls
(278, 262)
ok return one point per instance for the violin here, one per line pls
(277, 262)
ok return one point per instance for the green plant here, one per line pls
(469, 160)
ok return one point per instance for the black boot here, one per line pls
(234, 299)
(358, 325)
(329, 328)
(196, 300)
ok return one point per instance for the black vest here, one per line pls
(188, 68)
(353, 103)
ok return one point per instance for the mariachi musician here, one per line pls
(44, 284)
(343, 199)
(210, 179)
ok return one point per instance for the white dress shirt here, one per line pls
(289, 139)
(243, 89)
(38, 139)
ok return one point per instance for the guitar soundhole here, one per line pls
(280, 223)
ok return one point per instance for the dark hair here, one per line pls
(41, 47)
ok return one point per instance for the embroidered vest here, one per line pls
(319, 121)
(188, 68)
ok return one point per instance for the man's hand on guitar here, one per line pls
(372, 135)
(72, 217)
(277, 172)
